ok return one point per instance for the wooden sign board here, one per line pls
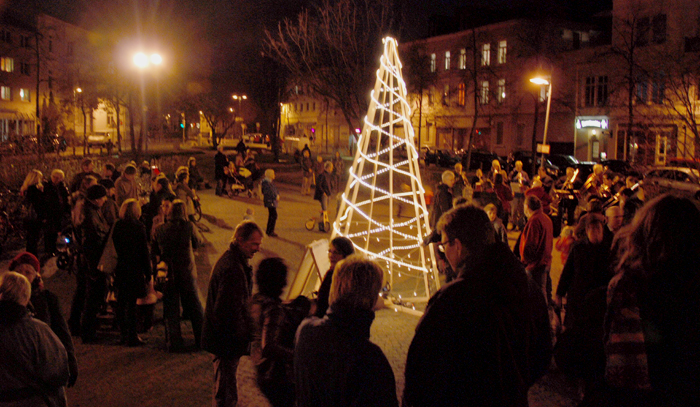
(313, 267)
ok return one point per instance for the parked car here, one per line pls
(526, 158)
(679, 180)
(621, 167)
(562, 162)
(441, 158)
(98, 139)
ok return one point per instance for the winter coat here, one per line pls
(441, 204)
(306, 166)
(269, 192)
(92, 231)
(32, 360)
(536, 241)
(78, 180)
(505, 195)
(34, 201)
(133, 260)
(475, 344)
(174, 242)
(56, 198)
(126, 189)
(220, 162)
(45, 307)
(334, 353)
(323, 186)
(227, 329)
(185, 194)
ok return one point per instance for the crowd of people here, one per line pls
(631, 329)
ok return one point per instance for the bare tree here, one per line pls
(334, 48)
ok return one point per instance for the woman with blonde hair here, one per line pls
(33, 193)
(133, 271)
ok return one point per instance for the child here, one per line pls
(566, 240)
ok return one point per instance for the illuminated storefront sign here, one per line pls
(600, 124)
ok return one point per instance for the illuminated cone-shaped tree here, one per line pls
(383, 208)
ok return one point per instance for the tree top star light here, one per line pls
(383, 208)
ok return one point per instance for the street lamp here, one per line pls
(143, 61)
(544, 82)
(239, 98)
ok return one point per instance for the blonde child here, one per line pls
(566, 240)
(249, 214)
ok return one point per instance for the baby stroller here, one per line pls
(67, 247)
(238, 181)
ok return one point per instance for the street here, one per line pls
(113, 375)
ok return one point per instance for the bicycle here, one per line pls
(197, 210)
(324, 225)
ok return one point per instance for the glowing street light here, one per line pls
(545, 82)
(142, 60)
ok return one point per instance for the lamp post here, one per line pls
(142, 62)
(240, 98)
(544, 82)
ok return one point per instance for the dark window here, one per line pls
(602, 91)
(499, 133)
(24, 68)
(577, 40)
(658, 27)
(657, 91)
(642, 34)
(6, 36)
(642, 92)
(590, 91)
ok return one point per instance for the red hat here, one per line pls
(25, 258)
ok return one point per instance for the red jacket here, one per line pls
(536, 241)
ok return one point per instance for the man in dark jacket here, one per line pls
(335, 364)
(88, 169)
(93, 232)
(443, 198)
(55, 198)
(227, 330)
(323, 185)
(270, 199)
(473, 345)
(220, 162)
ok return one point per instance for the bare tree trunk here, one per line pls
(475, 84)
(534, 135)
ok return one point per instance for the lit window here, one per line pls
(5, 93)
(502, 51)
(446, 95)
(501, 90)
(486, 55)
(484, 92)
(447, 60)
(24, 95)
(462, 58)
(461, 94)
(433, 64)
(7, 64)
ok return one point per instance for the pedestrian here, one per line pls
(195, 177)
(505, 196)
(275, 323)
(183, 191)
(498, 227)
(110, 210)
(133, 270)
(220, 162)
(161, 191)
(174, 244)
(93, 232)
(565, 243)
(306, 172)
(458, 187)
(539, 191)
(495, 170)
(56, 198)
(227, 330)
(519, 181)
(270, 199)
(545, 179)
(323, 185)
(126, 185)
(652, 325)
(110, 172)
(338, 172)
(535, 245)
(44, 305)
(483, 338)
(87, 169)
(335, 364)
(443, 199)
(338, 249)
(32, 192)
(31, 356)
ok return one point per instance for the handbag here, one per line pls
(108, 260)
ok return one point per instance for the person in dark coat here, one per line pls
(161, 191)
(306, 171)
(174, 242)
(133, 269)
(339, 248)
(56, 198)
(33, 362)
(32, 192)
(275, 324)
(93, 232)
(87, 167)
(474, 344)
(270, 199)
(44, 306)
(443, 198)
(335, 364)
(323, 185)
(220, 162)
(227, 330)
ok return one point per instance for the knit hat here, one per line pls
(96, 192)
(25, 258)
(106, 182)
